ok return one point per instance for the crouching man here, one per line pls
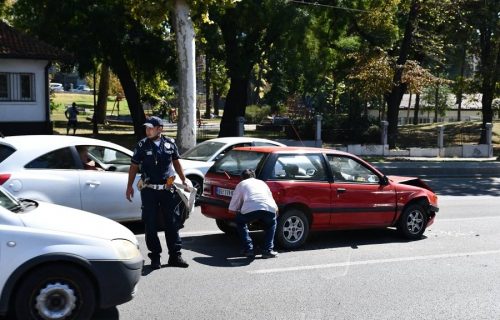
(252, 200)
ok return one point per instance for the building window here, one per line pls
(4, 92)
(17, 87)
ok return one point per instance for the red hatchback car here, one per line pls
(320, 189)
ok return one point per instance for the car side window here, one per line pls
(58, 159)
(108, 158)
(299, 167)
(345, 169)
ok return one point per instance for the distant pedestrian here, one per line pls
(71, 114)
(252, 200)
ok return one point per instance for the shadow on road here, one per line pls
(466, 187)
(106, 314)
(221, 250)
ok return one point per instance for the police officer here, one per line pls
(155, 155)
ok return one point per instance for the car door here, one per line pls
(52, 177)
(358, 198)
(302, 179)
(103, 191)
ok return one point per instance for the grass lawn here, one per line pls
(87, 101)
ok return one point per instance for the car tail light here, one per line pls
(4, 177)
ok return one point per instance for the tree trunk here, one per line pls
(217, 94)
(436, 103)
(184, 30)
(461, 82)
(208, 84)
(102, 98)
(490, 67)
(394, 97)
(417, 109)
(122, 71)
(235, 107)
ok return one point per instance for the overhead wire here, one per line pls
(327, 6)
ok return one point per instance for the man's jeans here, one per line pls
(269, 221)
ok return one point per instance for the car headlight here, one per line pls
(125, 249)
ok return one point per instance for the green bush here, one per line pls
(255, 114)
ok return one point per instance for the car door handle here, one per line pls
(341, 190)
(93, 183)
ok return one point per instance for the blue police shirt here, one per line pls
(156, 161)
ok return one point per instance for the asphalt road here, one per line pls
(453, 273)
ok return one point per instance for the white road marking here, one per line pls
(379, 261)
(467, 219)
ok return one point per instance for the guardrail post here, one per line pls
(318, 142)
(441, 140)
(241, 126)
(489, 133)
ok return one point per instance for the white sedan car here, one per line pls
(49, 168)
(61, 263)
(197, 160)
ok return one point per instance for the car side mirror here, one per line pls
(384, 181)
(111, 168)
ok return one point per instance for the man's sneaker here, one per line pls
(155, 261)
(269, 254)
(177, 261)
(248, 253)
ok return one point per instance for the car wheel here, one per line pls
(225, 227)
(55, 292)
(198, 184)
(292, 229)
(413, 221)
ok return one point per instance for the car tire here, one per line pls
(198, 184)
(55, 292)
(413, 221)
(225, 227)
(292, 229)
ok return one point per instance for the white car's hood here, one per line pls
(63, 219)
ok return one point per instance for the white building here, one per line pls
(24, 83)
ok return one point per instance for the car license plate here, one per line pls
(224, 192)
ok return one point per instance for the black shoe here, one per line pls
(248, 253)
(177, 261)
(269, 254)
(155, 261)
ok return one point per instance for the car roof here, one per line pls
(272, 149)
(240, 140)
(41, 144)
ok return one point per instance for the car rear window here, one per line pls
(5, 152)
(58, 159)
(235, 161)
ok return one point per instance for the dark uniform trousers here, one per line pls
(152, 201)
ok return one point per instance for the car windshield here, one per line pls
(8, 202)
(236, 161)
(202, 152)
